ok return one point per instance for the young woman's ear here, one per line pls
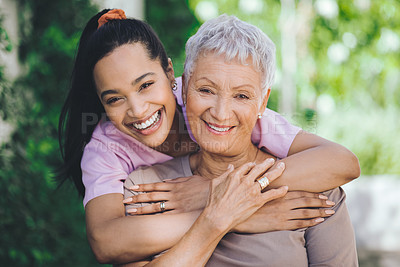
(170, 71)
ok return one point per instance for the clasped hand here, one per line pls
(295, 210)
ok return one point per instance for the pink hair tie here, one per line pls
(111, 15)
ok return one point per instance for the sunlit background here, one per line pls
(338, 77)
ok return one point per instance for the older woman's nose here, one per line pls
(222, 109)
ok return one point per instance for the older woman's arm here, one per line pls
(233, 198)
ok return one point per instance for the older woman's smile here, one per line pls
(218, 129)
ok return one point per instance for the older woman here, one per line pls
(227, 83)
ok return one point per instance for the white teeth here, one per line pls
(218, 129)
(153, 119)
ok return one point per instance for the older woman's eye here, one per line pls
(242, 96)
(205, 90)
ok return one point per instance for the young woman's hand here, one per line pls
(179, 195)
(295, 210)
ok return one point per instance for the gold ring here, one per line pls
(264, 182)
(162, 205)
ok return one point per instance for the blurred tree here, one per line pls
(41, 226)
(348, 67)
(174, 23)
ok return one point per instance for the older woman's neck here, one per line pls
(212, 165)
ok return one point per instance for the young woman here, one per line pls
(121, 115)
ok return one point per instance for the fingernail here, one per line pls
(319, 220)
(126, 200)
(281, 165)
(230, 167)
(133, 187)
(323, 197)
(270, 160)
(329, 212)
(132, 211)
(330, 202)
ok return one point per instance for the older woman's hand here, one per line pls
(295, 210)
(236, 195)
(180, 195)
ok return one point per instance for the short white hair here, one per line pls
(236, 39)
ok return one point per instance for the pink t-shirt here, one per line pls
(111, 155)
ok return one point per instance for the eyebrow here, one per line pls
(234, 88)
(208, 80)
(136, 81)
(108, 92)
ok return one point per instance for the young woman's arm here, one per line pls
(314, 164)
(232, 200)
(116, 238)
(341, 248)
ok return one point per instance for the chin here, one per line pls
(215, 147)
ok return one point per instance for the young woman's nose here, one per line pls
(137, 108)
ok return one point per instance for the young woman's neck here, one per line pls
(213, 165)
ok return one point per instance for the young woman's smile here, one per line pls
(136, 93)
(149, 125)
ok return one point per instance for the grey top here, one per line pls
(331, 243)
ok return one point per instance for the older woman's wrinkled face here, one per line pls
(223, 102)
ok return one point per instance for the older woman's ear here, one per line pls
(265, 101)
(184, 89)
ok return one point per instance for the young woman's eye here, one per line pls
(112, 100)
(145, 85)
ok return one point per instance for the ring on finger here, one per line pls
(162, 205)
(264, 182)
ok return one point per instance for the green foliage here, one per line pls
(351, 58)
(44, 226)
(371, 134)
(41, 225)
(5, 46)
(174, 23)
